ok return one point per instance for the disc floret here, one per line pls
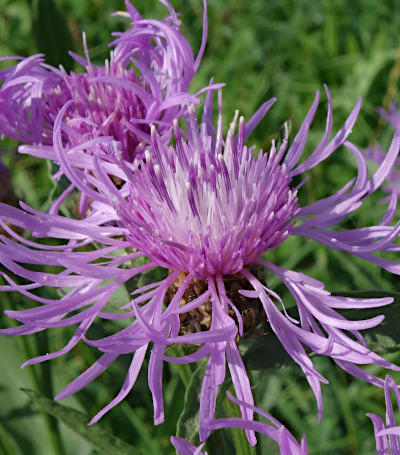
(212, 207)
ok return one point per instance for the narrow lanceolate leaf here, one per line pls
(22, 428)
(188, 422)
(100, 439)
(385, 337)
(51, 32)
(57, 186)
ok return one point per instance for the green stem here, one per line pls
(242, 445)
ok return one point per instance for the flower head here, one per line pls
(213, 210)
(204, 209)
(144, 81)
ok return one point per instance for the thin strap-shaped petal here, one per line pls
(129, 382)
(88, 376)
(319, 155)
(155, 382)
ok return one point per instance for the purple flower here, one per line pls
(387, 435)
(206, 210)
(144, 81)
(212, 209)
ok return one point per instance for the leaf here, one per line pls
(119, 298)
(151, 276)
(99, 438)
(8, 446)
(266, 353)
(51, 32)
(188, 422)
(57, 187)
(268, 446)
(220, 442)
(22, 428)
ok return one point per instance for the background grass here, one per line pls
(282, 48)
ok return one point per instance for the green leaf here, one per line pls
(221, 442)
(99, 438)
(119, 298)
(51, 32)
(268, 446)
(151, 276)
(266, 353)
(188, 422)
(22, 429)
(57, 187)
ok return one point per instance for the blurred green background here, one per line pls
(282, 48)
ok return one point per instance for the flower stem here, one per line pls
(242, 445)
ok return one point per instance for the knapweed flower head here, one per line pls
(205, 209)
(145, 80)
(387, 433)
(213, 208)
